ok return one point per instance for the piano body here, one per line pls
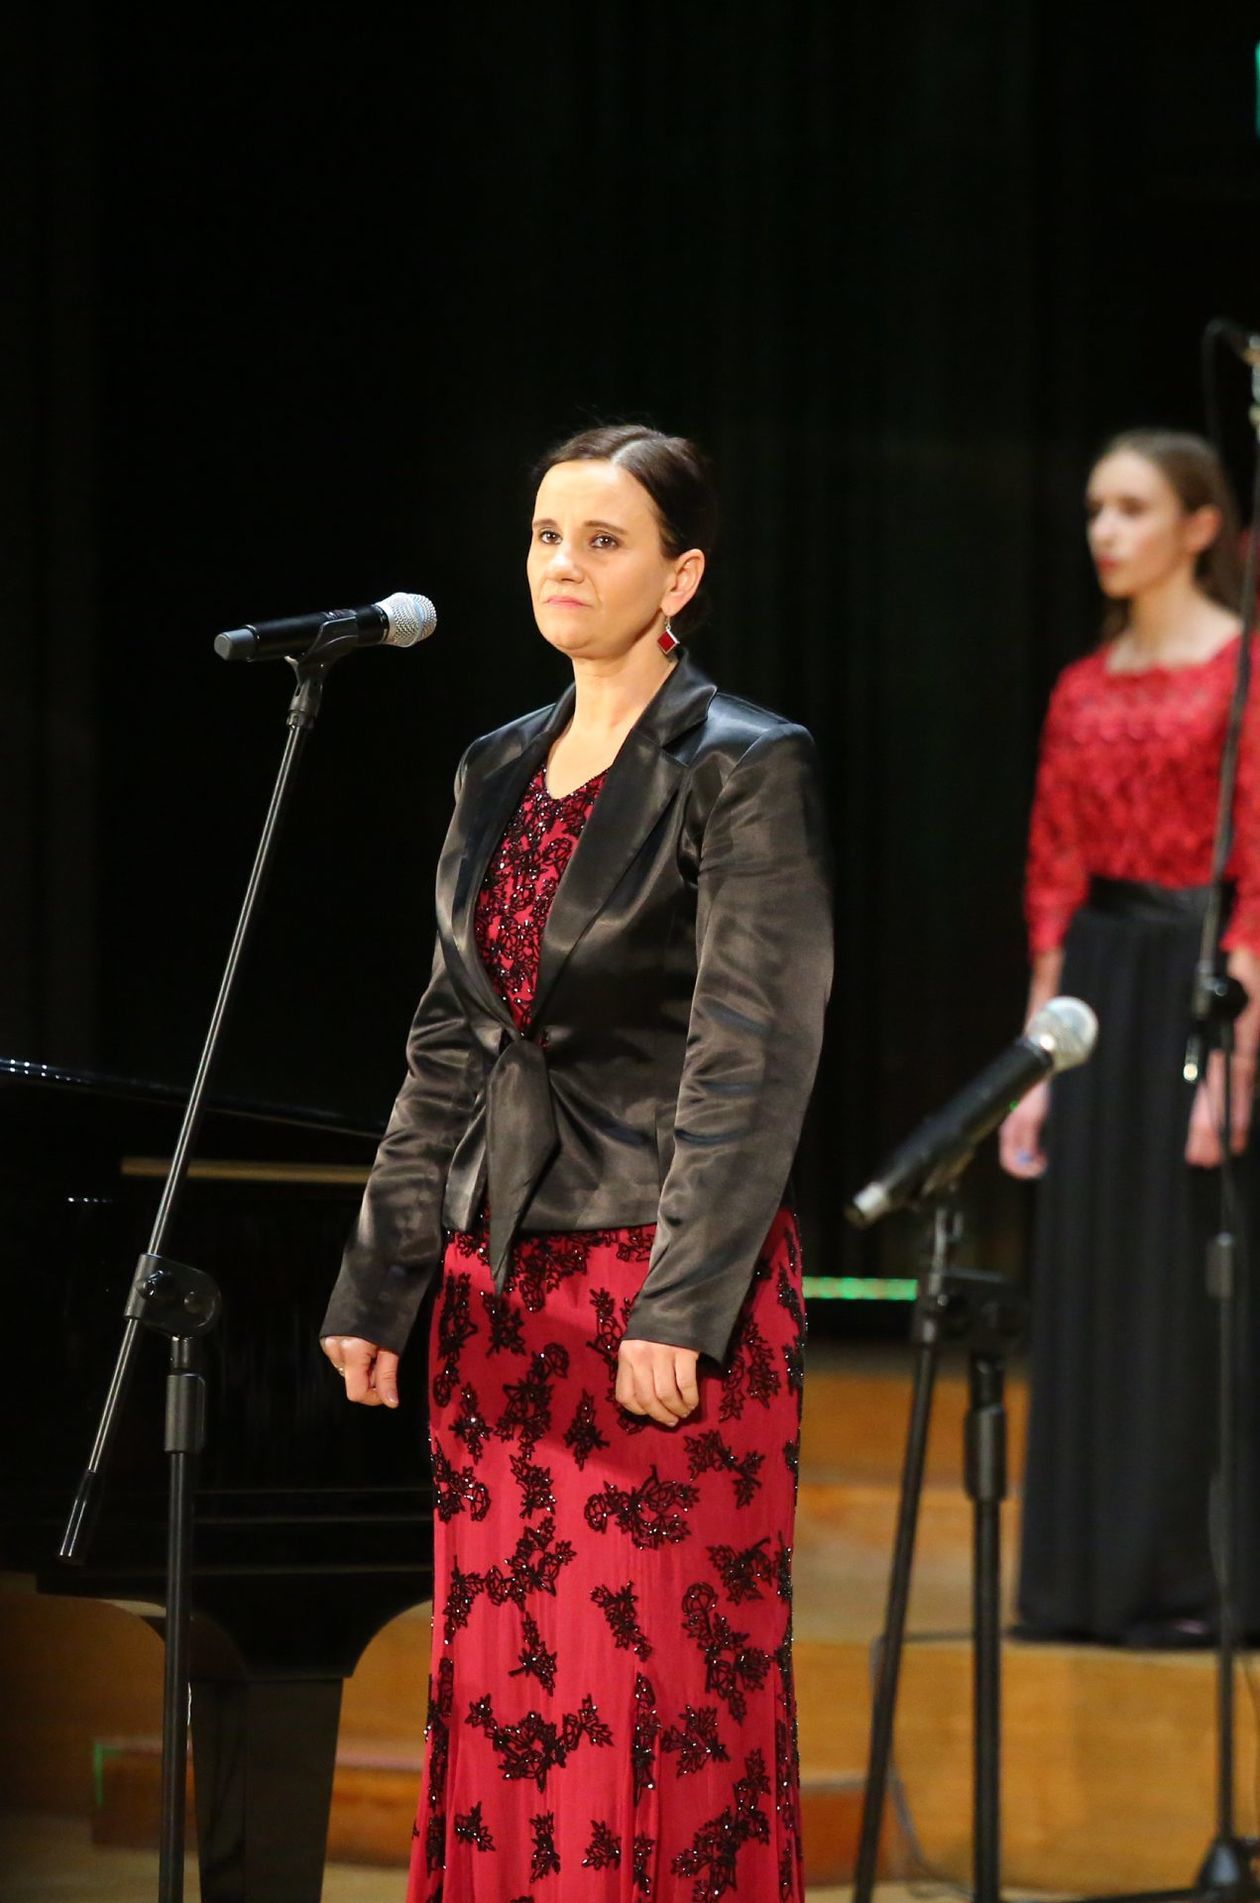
(314, 1519)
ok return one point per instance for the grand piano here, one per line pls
(314, 1519)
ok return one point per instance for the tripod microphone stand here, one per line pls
(1227, 1870)
(1218, 1000)
(986, 1313)
(183, 1304)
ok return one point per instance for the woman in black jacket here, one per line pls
(606, 1081)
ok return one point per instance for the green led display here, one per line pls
(859, 1288)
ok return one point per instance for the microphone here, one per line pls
(1060, 1036)
(397, 622)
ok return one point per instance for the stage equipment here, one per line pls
(1059, 1037)
(987, 1313)
(182, 1302)
(397, 622)
(1217, 1000)
(949, 1304)
(314, 1519)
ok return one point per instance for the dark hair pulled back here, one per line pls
(1194, 472)
(675, 474)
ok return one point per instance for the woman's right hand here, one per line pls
(1019, 1139)
(658, 1380)
(371, 1373)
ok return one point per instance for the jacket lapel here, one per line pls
(641, 782)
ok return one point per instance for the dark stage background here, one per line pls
(296, 304)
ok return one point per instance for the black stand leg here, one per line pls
(264, 1773)
(986, 1486)
(185, 1438)
(988, 1314)
(926, 1329)
(1227, 1865)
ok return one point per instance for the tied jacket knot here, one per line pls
(521, 1139)
(683, 975)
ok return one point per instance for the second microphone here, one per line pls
(1060, 1036)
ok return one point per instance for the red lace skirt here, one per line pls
(611, 1715)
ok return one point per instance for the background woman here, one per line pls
(1122, 1434)
(606, 1081)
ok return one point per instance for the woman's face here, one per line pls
(1139, 533)
(598, 575)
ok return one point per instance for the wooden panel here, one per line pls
(833, 1707)
(73, 1671)
(77, 1671)
(1108, 1763)
(374, 1803)
(856, 1418)
(844, 1541)
(384, 1703)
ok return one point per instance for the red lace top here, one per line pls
(1127, 789)
(520, 885)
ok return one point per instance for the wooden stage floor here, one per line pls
(1108, 1756)
(53, 1860)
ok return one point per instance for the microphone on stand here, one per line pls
(1060, 1036)
(397, 622)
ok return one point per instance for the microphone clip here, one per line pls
(338, 637)
(1217, 999)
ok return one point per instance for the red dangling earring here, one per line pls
(668, 642)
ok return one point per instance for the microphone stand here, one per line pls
(183, 1304)
(1217, 1000)
(986, 1312)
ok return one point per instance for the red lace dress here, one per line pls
(1127, 789)
(611, 1715)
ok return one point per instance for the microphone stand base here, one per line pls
(1227, 1868)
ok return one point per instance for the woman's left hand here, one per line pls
(657, 1380)
(1203, 1140)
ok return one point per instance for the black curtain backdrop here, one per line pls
(297, 303)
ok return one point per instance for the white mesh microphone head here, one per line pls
(1067, 1029)
(411, 618)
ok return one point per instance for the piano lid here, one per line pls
(18, 1072)
(295, 1485)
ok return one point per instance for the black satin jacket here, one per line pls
(683, 976)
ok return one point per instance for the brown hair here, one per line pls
(675, 474)
(1193, 470)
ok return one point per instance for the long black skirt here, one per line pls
(1123, 1424)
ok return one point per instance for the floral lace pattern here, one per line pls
(1127, 788)
(611, 1709)
(516, 896)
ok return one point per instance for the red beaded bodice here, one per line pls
(520, 884)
